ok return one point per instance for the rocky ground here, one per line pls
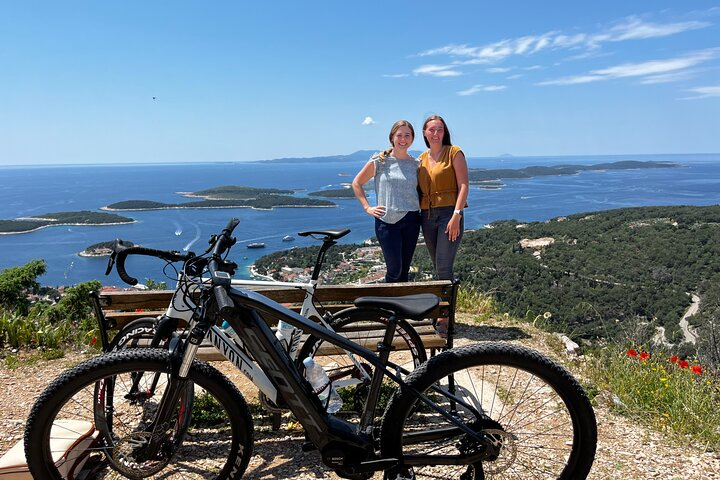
(625, 449)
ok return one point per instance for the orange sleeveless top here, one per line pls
(438, 186)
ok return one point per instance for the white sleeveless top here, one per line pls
(396, 186)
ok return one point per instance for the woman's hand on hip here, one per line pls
(377, 211)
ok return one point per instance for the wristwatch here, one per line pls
(458, 212)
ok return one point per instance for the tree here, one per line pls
(153, 285)
(17, 282)
(75, 305)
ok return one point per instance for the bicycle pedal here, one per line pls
(308, 447)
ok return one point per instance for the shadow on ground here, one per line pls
(479, 333)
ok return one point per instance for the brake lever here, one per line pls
(111, 263)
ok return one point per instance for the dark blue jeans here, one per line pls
(398, 241)
(442, 251)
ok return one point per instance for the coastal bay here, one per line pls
(31, 192)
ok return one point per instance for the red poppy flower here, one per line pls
(674, 359)
(696, 369)
(93, 340)
(683, 364)
(644, 356)
(632, 353)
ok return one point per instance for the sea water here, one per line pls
(32, 191)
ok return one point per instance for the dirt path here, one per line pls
(625, 450)
(688, 331)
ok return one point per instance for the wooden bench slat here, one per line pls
(159, 299)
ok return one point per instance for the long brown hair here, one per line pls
(446, 136)
(396, 126)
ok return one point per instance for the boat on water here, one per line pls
(256, 245)
(288, 238)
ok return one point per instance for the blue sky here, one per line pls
(191, 81)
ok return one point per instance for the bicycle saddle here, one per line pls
(414, 307)
(332, 234)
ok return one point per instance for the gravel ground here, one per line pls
(625, 449)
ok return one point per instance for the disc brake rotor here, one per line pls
(129, 460)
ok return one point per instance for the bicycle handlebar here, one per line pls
(120, 253)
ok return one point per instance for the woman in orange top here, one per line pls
(443, 183)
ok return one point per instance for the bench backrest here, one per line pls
(120, 307)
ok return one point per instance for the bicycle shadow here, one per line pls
(279, 454)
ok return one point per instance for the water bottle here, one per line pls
(322, 385)
(287, 336)
(231, 333)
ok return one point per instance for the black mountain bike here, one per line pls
(482, 411)
(361, 324)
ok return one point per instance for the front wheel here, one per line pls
(92, 423)
(528, 418)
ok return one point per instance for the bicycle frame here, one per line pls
(324, 430)
(181, 307)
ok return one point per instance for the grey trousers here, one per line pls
(442, 251)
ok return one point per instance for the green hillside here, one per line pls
(613, 274)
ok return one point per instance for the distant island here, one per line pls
(104, 249)
(489, 179)
(360, 155)
(82, 218)
(480, 175)
(334, 193)
(235, 192)
(266, 202)
(228, 196)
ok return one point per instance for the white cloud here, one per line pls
(481, 88)
(704, 92)
(654, 71)
(515, 76)
(633, 28)
(368, 121)
(668, 77)
(437, 71)
(396, 75)
(573, 80)
(498, 70)
(630, 28)
(658, 66)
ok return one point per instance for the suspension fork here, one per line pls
(180, 362)
(165, 330)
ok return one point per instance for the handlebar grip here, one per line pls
(226, 307)
(232, 223)
(120, 267)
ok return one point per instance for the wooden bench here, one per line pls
(115, 309)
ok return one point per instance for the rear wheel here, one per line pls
(138, 333)
(90, 423)
(365, 327)
(533, 418)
